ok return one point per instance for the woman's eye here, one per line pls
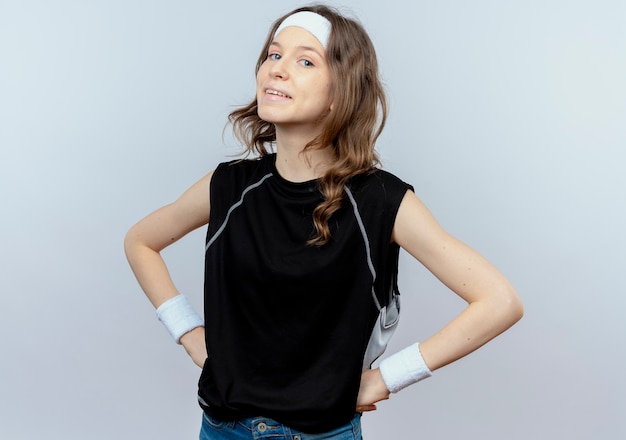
(273, 56)
(306, 63)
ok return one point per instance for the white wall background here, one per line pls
(507, 116)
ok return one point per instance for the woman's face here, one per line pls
(293, 83)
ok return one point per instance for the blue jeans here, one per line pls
(263, 428)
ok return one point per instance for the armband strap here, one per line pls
(404, 368)
(178, 317)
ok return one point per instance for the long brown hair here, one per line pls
(352, 127)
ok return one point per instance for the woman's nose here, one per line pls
(278, 70)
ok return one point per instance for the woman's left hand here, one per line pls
(372, 390)
(193, 341)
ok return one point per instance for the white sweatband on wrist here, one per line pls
(316, 24)
(178, 317)
(404, 368)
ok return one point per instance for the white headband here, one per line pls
(314, 23)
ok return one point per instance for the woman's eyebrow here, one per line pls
(303, 47)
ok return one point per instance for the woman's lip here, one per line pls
(276, 92)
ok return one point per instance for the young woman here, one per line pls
(302, 251)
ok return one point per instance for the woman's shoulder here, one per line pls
(245, 168)
(378, 191)
(378, 181)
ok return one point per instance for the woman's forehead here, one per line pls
(297, 37)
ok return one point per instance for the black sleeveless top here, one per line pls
(289, 326)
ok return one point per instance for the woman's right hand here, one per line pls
(371, 391)
(194, 344)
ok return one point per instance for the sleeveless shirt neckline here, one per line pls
(296, 189)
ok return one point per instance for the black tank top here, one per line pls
(289, 326)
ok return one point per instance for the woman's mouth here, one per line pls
(277, 93)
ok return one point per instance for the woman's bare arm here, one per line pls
(493, 304)
(146, 239)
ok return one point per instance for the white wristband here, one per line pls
(404, 368)
(178, 317)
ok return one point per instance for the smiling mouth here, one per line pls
(276, 93)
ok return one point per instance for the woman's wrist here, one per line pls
(404, 368)
(178, 317)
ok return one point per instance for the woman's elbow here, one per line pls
(132, 243)
(511, 306)
(129, 240)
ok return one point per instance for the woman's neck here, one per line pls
(295, 164)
